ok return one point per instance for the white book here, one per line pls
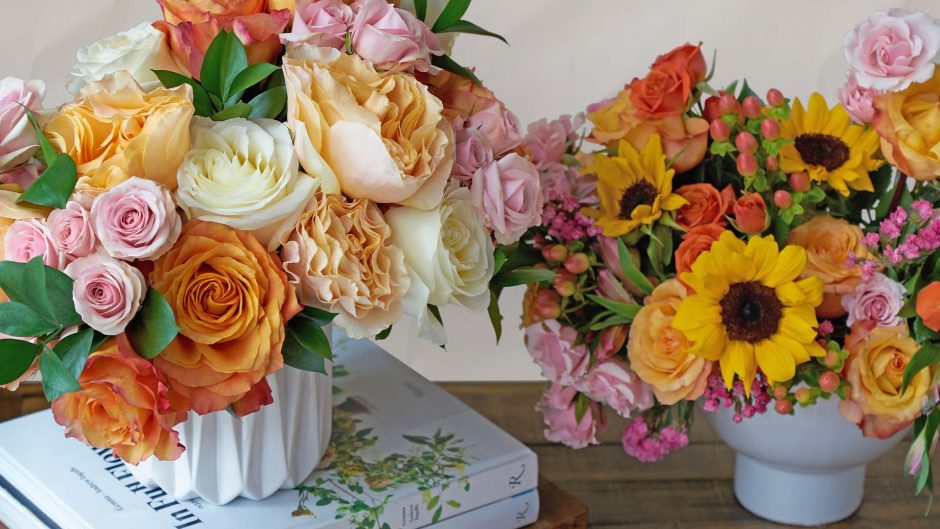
(405, 454)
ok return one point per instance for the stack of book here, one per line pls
(404, 454)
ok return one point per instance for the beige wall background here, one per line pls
(564, 54)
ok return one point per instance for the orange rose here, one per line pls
(750, 214)
(828, 242)
(176, 11)
(875, 369)
(659, 354)
(706, 205)
(928, 305)
(663, 92)
(909, 125)
(231, 300)
(124, 404)
(612, 119)
(688, 57)
(694, 242)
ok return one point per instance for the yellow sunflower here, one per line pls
(634, 188)
(828, 146)
(748, 310)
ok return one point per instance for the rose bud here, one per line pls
(750, 213)
(555, 252)
(712, 111)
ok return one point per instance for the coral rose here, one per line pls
(706, 205)
(750, 214)
(231, 300)
(340, 259)
(124, 404)
(829, 242)
(875, 369)
(117, 131)
(176, 11)
(689, 57)
(909, 125)
(659, 354)
(928, 305)
(663, 92)
(694, 242)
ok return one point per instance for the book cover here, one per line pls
(404, 454)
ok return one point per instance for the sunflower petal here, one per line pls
(695, 312)
(764, 252)
(790, 263)
(775, 361)
(789, 294)
(674, 202)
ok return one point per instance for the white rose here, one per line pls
(449, 256)
(244, 174)
(138, 50)
(18, 141)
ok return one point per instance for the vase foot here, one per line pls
(797, 496)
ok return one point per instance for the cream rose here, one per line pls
(139, 50)
(244, 174)
(379, 136)
(448, 254)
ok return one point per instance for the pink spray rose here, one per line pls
(71, 230)
(107, 292)
(877, 301)
(498, 124)
(136, 220)
(562, 426)
(858, 101)
(546, 140)
(28, 238)
(18, 141)
(473, 152)
(893, 49)
(392, 38)
(509, 194)
(552, 346)
(614, 384)
(326, 21)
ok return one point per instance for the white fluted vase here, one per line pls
(227, 457)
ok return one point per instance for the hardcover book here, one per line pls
(404, 454)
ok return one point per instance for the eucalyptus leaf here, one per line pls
(19, 320)
(55, 185)
(16, 356)
(269, 104)
(463, 26)
(154, 326)
(57, 380)
(201, 100)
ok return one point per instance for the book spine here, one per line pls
(511, 513)
(464, 494)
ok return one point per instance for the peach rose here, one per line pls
(116, 131)
(695, 241)
(909, 125)
(659, 353)
(124, 404)
(231, 300)
(928, 305)
(176, 11)
(706, 205)
(875, 369)
(663, 92)
(378, 136)
(828, 242)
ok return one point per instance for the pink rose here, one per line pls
(498, 124)
(327, 20)
(858, 101)
(509, 194)
(392, 38)
(136, 220)
(107, 292)
(877, 301)
(614, 384)
(71, 230)
(893, 49)
(473, 151)
(547, 140)
(18, 141)
(560, 181)
(558, 410)
(552, 347)
(28, 238)
(24, 175)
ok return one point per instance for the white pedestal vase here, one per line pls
(227, 457)
(807, 469)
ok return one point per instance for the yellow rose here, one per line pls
(378, 136)
(909, 125)
(116, 131)
(875, 369)
(659, 354)
(828, 241)
(613, 119)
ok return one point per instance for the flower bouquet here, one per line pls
(755, 256)
(227, 182)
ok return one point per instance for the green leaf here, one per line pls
(238, 110)
(499, 259)
(57, 380)
(384, 334)
(615, 319)
(630, 270)
(436, 312)
(55, 185)
(224, 60)
(581, 405)
(452, 13)
(437, 515)
(251, 76)
(269, 104)
(41, 288)
(201, 100)
(48, 151)
(19, 320)
(298, 357)
(453, 503)
(433, 503)
(74, 349)
(154, 327)
(626, 311)
(463, 26)
(523, 276)
(320, 316)
(928, 355)
(444, 62)
(15, 358)
(496, 318)
(309, 334)
(421, 9)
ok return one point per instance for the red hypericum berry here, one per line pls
(747, 164)
(781, 391)
(832, 358)
(783, 199)
(772, 163)
(577, 263)
(745, 142)
(720, 130)
(555, 252)
(752, 107)
(803, 396)
(799, 182)
(775, 97)
(783, 406)
(565, 287)
(829, 381)
(727, 104)
(770, 128)
(712, 112)
(549, 311)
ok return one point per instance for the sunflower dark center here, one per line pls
(822, 149)
(751, 312)
(641, 193)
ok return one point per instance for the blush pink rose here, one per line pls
(29, 238)
(509, 194)
(71, 230)
(136, 220)
(500, 126)
(473, 152)
(552, 346)
(561, 424)
(614, 384)
(547, 140)
(893, 49)
(24, 175)
(858, 101)
(321, 22)
(876, 301)
(392, 38)
(18, 141)
(107, 292)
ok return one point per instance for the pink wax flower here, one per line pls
(646, 446)
(29, 238)
(472, 153)
(136, 220)
(614, 384)
(858, 101)
(893, 49)
(552, 345)
(923, 209)
(500, 126)
(561, 423)
(18, 140)
(508, 193)
(392, 38)
(327, 20)
(107, 292)
(878, 301)
(72, 232)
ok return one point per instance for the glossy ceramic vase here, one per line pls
(804, 469)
